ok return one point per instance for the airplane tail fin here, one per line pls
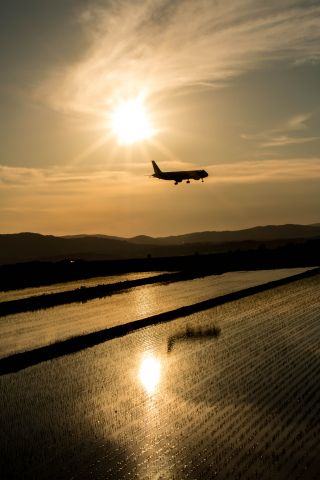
(156, 169)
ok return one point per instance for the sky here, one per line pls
(232, 87)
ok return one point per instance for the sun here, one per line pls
(130, 122)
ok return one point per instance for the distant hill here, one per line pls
(266, 233)
(96, 235)
(25, 247)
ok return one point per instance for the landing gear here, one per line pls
(176, 183)
(188, 181)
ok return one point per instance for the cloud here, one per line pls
(160, 45)
(238, 195)
(298, 122)
(67, 182)
(284, 140)
(287, 170)
(57, 179)
(282, 135)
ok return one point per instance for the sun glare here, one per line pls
(149, 373)
(130, 122)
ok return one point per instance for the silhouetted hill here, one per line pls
(26, 247)
(146, 240)
(96, 235)
(302, 253)
(265, 233)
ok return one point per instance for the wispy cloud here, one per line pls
(289, 133)
(160, 45)
(68, 182)
(287, 170)
(285, 140)
(24, 176)
(57, 178)
(298, 122)
(62, 202)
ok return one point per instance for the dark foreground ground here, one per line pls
(269, 255)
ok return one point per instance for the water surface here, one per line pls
(66, 286)
(243, 405)
(25, 331)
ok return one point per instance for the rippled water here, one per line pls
(25, 331)
(64, 287)
(242, 405)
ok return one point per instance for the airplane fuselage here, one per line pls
(183, 175)
(179, 176)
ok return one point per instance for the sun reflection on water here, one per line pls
(149, 373)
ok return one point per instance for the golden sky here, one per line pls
(91, 91)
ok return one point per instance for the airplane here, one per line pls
(178, 176)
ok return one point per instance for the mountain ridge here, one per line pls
(260, 233)
(30, 246)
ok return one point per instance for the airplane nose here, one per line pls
(205, 173)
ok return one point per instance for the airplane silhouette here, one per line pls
(178, 176)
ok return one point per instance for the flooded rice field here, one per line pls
(25, 331)
(68, 286)
(173, 402)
